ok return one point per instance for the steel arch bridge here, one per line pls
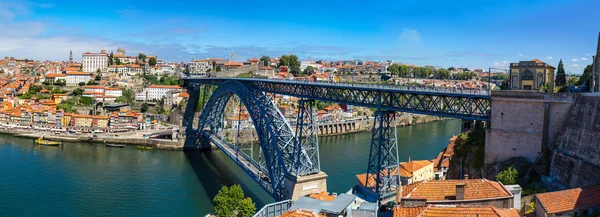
(289, 156)
(284, 156)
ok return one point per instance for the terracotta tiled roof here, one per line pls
(233, 64)
(55, 75)
(577, 198)
(436, 190)
(453, 211)
(94, 87)
(164, 86)
(301, 213)
(78, 73)
(184, 95)
(322, 196)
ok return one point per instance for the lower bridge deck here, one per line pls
(244, 161)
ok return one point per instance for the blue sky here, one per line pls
(467, 33)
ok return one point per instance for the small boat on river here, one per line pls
(114, 145)
(42, 141)
(145, 147)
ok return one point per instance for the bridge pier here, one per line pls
(299, 186)
(381, 180)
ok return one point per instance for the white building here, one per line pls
(157, 92)
(94, 61)
(74, 78)
(198, 67)
(113, 91)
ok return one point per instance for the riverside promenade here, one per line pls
(126, 138)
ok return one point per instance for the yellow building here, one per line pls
(66, 119)
(531, 75)
(416, 171)
(100, 121)
(82, 120)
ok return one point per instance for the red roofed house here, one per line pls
(457, 211)
(467, 192)
(74, 78)
(442, 162)
(571, 202)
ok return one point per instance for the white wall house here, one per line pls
(94, 61)
(74, 78)
(113, 91)
(157, 92)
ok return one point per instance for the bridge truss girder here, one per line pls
(307, 139)
(278, 143)
(383, 166)
(463, 106)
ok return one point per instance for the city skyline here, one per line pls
(466, 34)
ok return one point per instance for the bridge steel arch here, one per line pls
(281, 150)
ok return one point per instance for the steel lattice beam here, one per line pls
(307, 139)
(383, 157)
(277, 140)
(466, 106)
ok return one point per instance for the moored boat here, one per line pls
(114, 145)
(41, 141)
(145, 147)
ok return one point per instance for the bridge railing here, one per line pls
(219, 142)
(274, 209)
(472, 91)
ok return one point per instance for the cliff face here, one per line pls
(575, 159)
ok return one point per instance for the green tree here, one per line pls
(291, 61)
(218, 68)
(266, 60)
(230, 202)
(60, 82)
(561, 77)
(586, 77)
(152, 61)
(81, 84)
(98, 74)
(508, 176)
(91, 82)
(141, 57)
(118, 61)
(86, 101)
(573, 80)
(214, 65)
(111, 59)
(144, 107)
(309, 70)
(77, 92)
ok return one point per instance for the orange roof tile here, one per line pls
(165, 86)
(301, 213)
(571, 199)
(55, 75)
(408, 168)
(78, 73)
(322, 196)
(436, 190)
(453, 211)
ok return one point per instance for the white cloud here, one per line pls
(503, 63)
(574, 60)
(549, 57)
(409, 37)
(574, 65)
(520, 54)
(584, 59)
(588, 54)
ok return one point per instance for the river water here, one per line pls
(79, 179)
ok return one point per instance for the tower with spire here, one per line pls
(71, 56)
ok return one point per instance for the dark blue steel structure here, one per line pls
(286, 155)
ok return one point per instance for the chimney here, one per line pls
(408, 159)
(460, 191)
(398, 195)
(466, 177)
